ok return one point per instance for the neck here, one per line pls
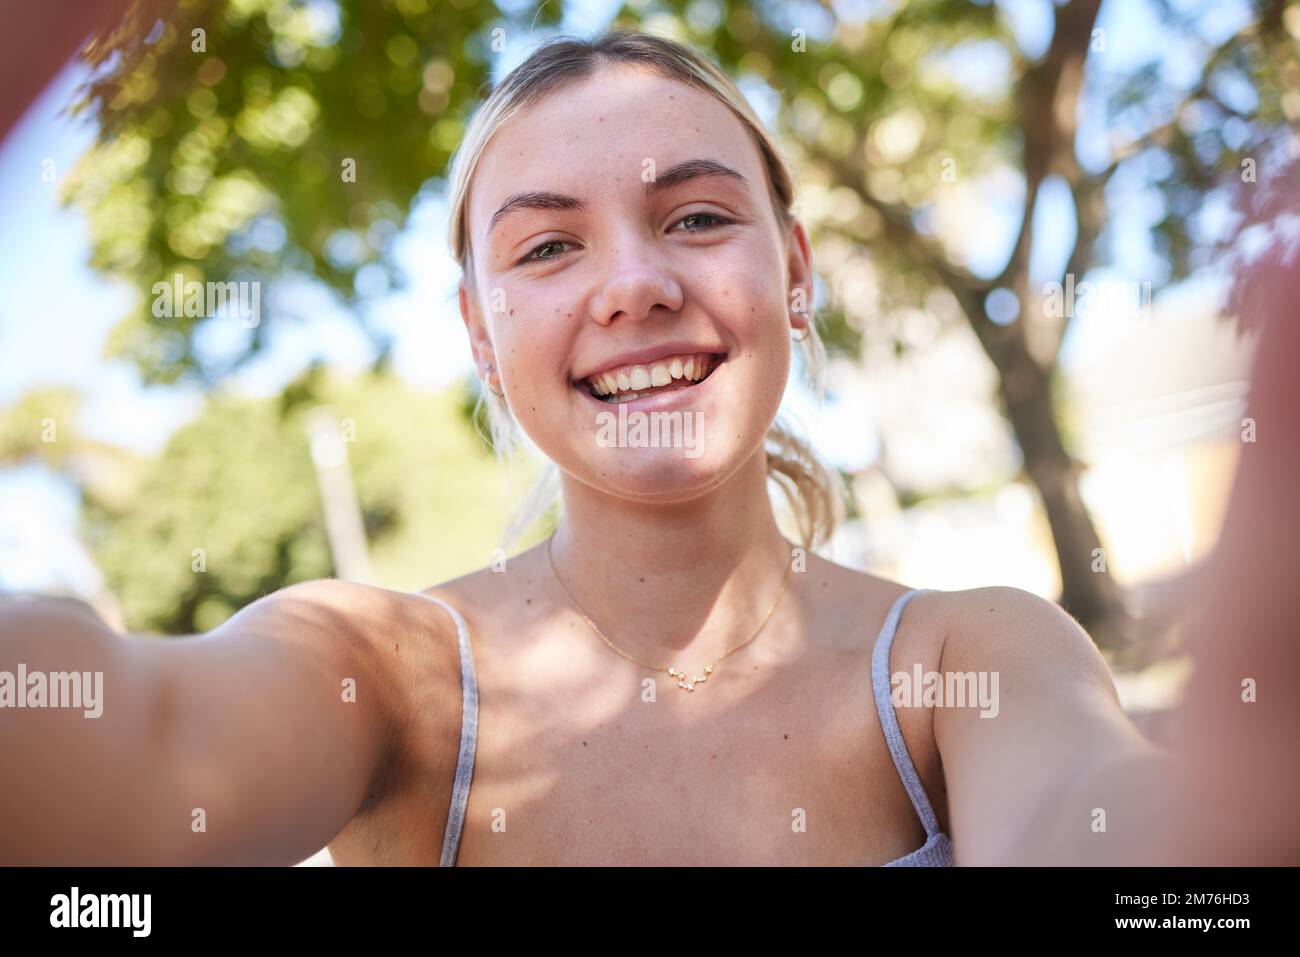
(679, 584)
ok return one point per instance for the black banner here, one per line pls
(921, 906)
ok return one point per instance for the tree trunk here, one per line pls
(1088, 592)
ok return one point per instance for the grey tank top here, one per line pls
(935, 852)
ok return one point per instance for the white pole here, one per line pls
(347, 535)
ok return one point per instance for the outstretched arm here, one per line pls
(236, 746)
(1025, 787)
(1060, 775)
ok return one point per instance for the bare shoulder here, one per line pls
(475, 590)
(1046, 715)
(408, 655)
(390, 640)
(504, 601)
(865, 599)
(855, 610)
(366, 615)
(1000, 626)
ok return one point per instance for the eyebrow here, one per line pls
(673, 176)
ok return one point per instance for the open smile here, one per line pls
(630, 382)
(645, 383)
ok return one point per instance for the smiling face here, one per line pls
(627, 257)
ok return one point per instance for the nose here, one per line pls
(636, 281)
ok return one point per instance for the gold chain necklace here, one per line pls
(683, 681)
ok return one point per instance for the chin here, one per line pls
(662, 475)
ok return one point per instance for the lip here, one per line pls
(662, 401)
(649, 354)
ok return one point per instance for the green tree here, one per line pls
(262, 139)
(231, 509)
(42, 427)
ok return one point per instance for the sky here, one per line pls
(55, 311)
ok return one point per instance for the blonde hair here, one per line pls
(814, 492)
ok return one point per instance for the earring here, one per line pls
(798, 338)
(487, 381)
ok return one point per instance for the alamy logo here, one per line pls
(53, 689)
(1101, 298)
(198, 300)
(650, 430)
(952, 689)
(102, 910)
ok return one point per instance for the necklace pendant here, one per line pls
(688, 683)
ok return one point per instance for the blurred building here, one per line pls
(1157, 407)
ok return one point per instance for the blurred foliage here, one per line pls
(252, 139)
(239, 483)
(1272, 214)
(42, 426)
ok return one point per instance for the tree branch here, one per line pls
(1049, 107)
(1088, 191)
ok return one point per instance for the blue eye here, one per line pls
(713, 221)
(533, 257)
(717, 221)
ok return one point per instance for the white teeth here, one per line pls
(631, 382)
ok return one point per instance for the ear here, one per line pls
(799, 264)
(480, 340)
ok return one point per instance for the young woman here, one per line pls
(669, 679)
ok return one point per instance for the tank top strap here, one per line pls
(889, 720)
(468, 738)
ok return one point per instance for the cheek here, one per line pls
(744, 287)
(532, 341)
(752, 307)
